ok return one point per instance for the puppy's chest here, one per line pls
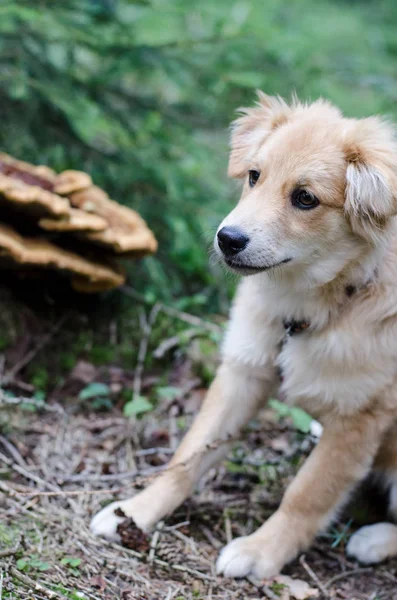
(293, 354)
(318, 371)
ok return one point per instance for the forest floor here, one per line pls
(62, 459)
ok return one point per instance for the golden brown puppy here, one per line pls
(316, 231)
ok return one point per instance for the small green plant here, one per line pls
(301, 420)
(72, 564)
(99, 395)
(137, 406)
(94, 390)
(278, 588)
(32, 563)
(40, 378)
(181, 423)
(70, 594)
(340, 536)
(168, 393)
(236, 468)
(267, 473)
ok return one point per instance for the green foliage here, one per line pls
(32, 563)
(94, 390)
(341, 536)
(39, 378)
(137, 406)
(98, 394)
(278, 588)
(168, 393)
(340, 533)
(299, 417)
(71, 594)
(140, 94)
(73, 564)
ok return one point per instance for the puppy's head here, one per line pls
(318, 189)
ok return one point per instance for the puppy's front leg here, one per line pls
(233, 398)
(342, 458)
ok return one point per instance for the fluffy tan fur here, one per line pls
(343, 368)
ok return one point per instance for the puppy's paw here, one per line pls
(105, 522)
(374, 543)
(316, 429)
(247, 556)
(139, 509)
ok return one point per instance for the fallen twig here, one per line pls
(34, 493)
(174, 341)
(387, 575)
(12, 450)
(347, 574)
(173, 312)
(15, 401)
(34, 585)
(22, 471)
(154, 541)
(189, 571)
(313, 576)
(141, 476)
(217, 544)
(144, 476)
(228, 527)
(162, 563)
(143, 346)
(151, 451)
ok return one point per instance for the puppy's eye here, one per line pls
(304, 200)
(253, 177)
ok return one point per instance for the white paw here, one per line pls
(246, 556)
(316, 429)
(140, 508)
(374, 543)
(105, 522)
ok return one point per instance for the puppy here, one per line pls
(316, 235)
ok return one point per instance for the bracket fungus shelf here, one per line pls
(63, 222)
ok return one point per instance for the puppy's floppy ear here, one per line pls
(251, 129)
(371, 175)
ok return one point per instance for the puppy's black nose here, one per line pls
(231, 240)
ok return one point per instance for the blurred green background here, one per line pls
(140, 94)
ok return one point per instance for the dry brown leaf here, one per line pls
(99, 583)
(297, 588)
(281, 444)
